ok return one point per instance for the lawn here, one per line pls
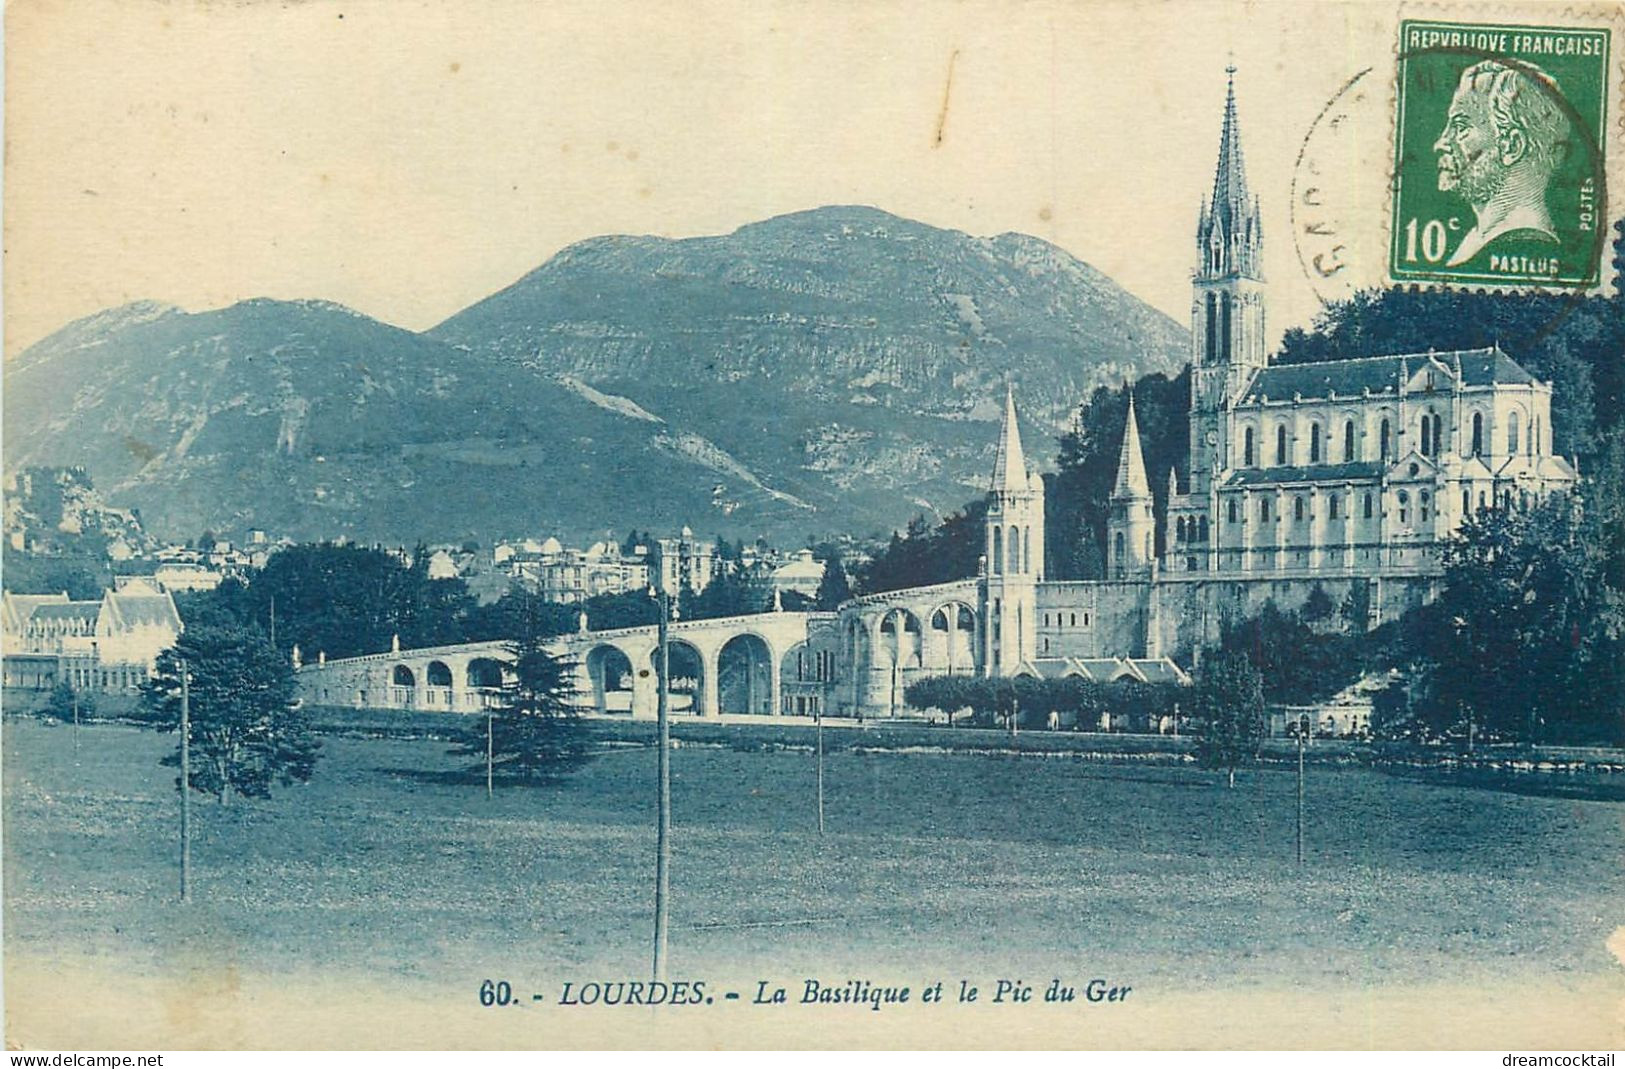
(366, 907)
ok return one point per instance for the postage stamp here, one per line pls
(1500, 155)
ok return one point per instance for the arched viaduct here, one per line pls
(737, 664)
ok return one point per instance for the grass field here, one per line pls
(382, 879)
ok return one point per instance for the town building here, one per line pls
(110, 644)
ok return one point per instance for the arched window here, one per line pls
(1425, 438)
(1368, 504)
(1212, 329)
(1466, 502)
(1478, 434)
(1224, 340)
(1264, 509)
(1332, 507)
(1438, 434)
(1204, 529)
(1015, 550)
(1027, 548)
(1297, 509)
(1314, 443)
(1425, 502)
(1280, 444)
(1118, 556)
(998, 550)
(403, 677)
(1231, 511)
(1385, 437)
(1247, 448)
(1512, 434)
(1179, 529)
(1348, 442)
(1404, 507)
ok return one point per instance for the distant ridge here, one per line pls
(837, 369)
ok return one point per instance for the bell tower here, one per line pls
(1227, 303)
(1014, 532)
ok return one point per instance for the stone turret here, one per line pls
(1131, 526)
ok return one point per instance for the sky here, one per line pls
(409, 158)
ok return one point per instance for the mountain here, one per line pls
(833, 370)
(308, 419)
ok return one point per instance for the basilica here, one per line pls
(1344, 476)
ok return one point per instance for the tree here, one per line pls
(1228, 707)
(535, 733)
(247, 730)
(1524, 640)
(922, 555)
(833, 588)
(66, 704)
(1079, 492)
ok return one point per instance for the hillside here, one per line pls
(833, 370)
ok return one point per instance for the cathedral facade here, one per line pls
(1344, 476)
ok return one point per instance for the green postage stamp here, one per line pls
(1500, 170)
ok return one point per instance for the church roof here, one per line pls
(1350, 378)
(1354, 471)
(1010, 465)
(1131, 480)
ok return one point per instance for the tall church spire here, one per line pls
(1229, 234)
(1131, 480)
(1010, 466)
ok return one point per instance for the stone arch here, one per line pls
(610, 670)
(484, 673)
(403, 676)
(688, 675)
(437, 674)
(745, 675)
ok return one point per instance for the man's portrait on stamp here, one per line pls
(1503, 140)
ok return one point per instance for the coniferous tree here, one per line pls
(1228, 707)
(535, 733)
(247, 730)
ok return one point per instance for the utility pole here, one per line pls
(1303, 726)
(489, 716)
(818, 719)
(663, 814)
(186, 782)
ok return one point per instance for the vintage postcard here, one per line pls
(783, 525)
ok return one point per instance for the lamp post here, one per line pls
(1303, 730)
(186, 782)
(663, 774)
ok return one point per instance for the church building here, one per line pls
(1347, 476)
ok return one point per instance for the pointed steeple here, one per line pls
(1010, 466)
(1229, 235)
(1230, 179)
(1131, 480)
